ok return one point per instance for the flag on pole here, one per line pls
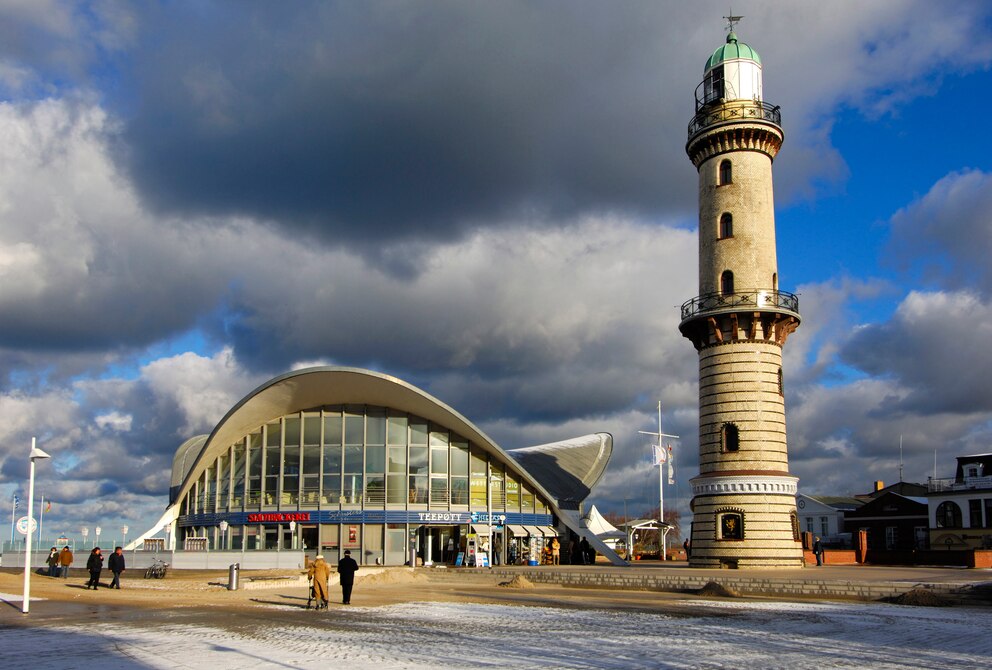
(49, 507)
(671, 466)
(659, 454)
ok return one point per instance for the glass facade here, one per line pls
(321, 469)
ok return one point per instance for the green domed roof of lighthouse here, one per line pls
(731, 50)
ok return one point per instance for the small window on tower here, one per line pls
(781, 383)
(727, 282)
(726, 173)
(726, 225)
(730, 437)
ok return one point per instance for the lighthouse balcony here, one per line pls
(762, 300)
(719, 112)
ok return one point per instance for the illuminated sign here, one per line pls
(267, 517)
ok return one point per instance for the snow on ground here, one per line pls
(435, 635)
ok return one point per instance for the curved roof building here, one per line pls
(330, 458)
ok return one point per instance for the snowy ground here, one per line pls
(454, 635)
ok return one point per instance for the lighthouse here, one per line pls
(743, 500)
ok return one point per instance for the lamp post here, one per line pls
(36, 454)
(97, 531)
(84, 531)
(223, 534)
(124, 530)
(292, 531)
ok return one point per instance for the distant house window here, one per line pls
(824, 526)
(726, 225)
(727, 282)
(971, 471)
(730, 525)
(809, 524)
(730, 437)
(974, 514)
(948, 515)
(726, 173)
(891, 538)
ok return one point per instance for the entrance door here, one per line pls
(396, 545)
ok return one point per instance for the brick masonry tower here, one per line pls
(743, 504)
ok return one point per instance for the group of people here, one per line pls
(319, 571)
(59, 562)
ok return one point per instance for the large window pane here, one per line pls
(375, 459)
(352, 488)
(332, 429)
(396, 491)
(375, 429)
(459, 459)
(397, 460)
(291, 475)
(273, 434)
(375, 490)
(439, 460)
(418, 489)
(459, 490)
(292, 429)
(354, 429)
(397, 430)
(353, 461)
(418, 460)
(418, 432)
(311, 429)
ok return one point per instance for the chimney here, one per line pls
(879, 485)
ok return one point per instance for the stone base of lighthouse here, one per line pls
(745, 520)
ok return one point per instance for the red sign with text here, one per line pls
(263, 517)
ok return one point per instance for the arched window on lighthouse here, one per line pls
(726, 173)
(726, 225)
(727, 282)
(730, 437)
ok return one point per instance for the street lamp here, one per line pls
(124, 536)
(292, 530)
(36, 454)
(223, 534)
(97, 531)
(84, 531)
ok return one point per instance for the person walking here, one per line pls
(688, 549)
(94, 564)
(347, 567)
(65, 560)
(818, 551)
(116, 565)
(584, 551)
(317, 573)
(53, 562)
(555, 552)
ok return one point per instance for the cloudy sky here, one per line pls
(490, 200)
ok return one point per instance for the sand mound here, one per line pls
(400, 576)
(518, 582)
(717, 590)
(920, 598)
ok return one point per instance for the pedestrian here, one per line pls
(818, 551)
(688, 549)
(584, 551)
(347, 567)
(116, 565)
(65, 560)
(94, 564)
(53, 562)
(318, 573)
(555, 551)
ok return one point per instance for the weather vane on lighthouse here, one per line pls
(732, 21)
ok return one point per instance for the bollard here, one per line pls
(232, 576)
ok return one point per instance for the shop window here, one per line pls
(726, 173)
(727, 282)
(726, 225)
(730, 437)
(948, 515)
(730, 525)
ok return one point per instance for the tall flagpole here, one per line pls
(662, 531)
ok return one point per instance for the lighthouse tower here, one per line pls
(743, 504)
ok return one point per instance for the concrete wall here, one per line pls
(178, 560)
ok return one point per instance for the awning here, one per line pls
(481, 529)
(517, 531)
(548, 531)
(534, 530)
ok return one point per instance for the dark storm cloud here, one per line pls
(411, 120)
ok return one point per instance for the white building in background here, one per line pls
(823, 516)
(960, 507)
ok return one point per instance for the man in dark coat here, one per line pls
(347, 567)
(116, 565)
(94, 564)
